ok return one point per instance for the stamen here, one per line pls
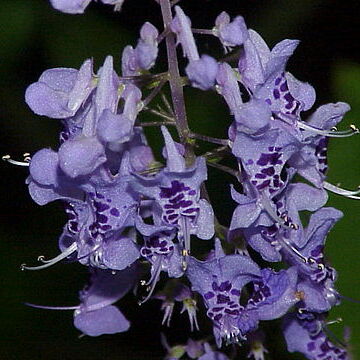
(336, 321)
(267, 206)
(329, 133)
(26, 161)
(86, 255)
(184, 224)
(153, 280)
(167, 314)
(351, 194)
(293, 250)
(52, 307)
(333, 337)
(72, 248)
(307, 260)
(347, 298)
(205, 31)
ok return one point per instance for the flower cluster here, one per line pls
(129, 214)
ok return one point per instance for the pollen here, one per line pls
(300, 295)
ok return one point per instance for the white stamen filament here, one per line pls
(351, 194)
(307, 260)
(168, 314)
(336, 321)
(290, 247)
(330, 133)
(155, 274)
(26, 161)
(53, 307)
(72, 248)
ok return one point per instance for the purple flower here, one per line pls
(60, 92)
(147, 47)
(160, 250)
(316, 278)
(228, 87)
(181, 26)
(96, 315)
(263, 158)
(176, 191)
(79, 6)
(263, 74)
(175, 291)
(220, 282)
(230, 33)
(202, 72)
(310, 160)
(97, 225)
(271, 232)
(304, 333)
(135, 61)
(99, 209)
(274, 294)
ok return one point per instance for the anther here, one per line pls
(41, 258)
(185, 252)
(333, 132)
(47, 263)
(354, 128)
(142, 282)
(336, 321)
(300, 295)
(311, 261)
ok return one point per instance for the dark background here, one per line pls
(34, 37)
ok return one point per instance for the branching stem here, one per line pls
(176, 85)
(157, 123)
(209, 139)
(160, 114)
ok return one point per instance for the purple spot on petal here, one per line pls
(114, 212)
(284, 87)
(209, 295)
(217, 309)
(276, 93)
(102, 219)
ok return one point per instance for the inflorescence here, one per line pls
(129, 214)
